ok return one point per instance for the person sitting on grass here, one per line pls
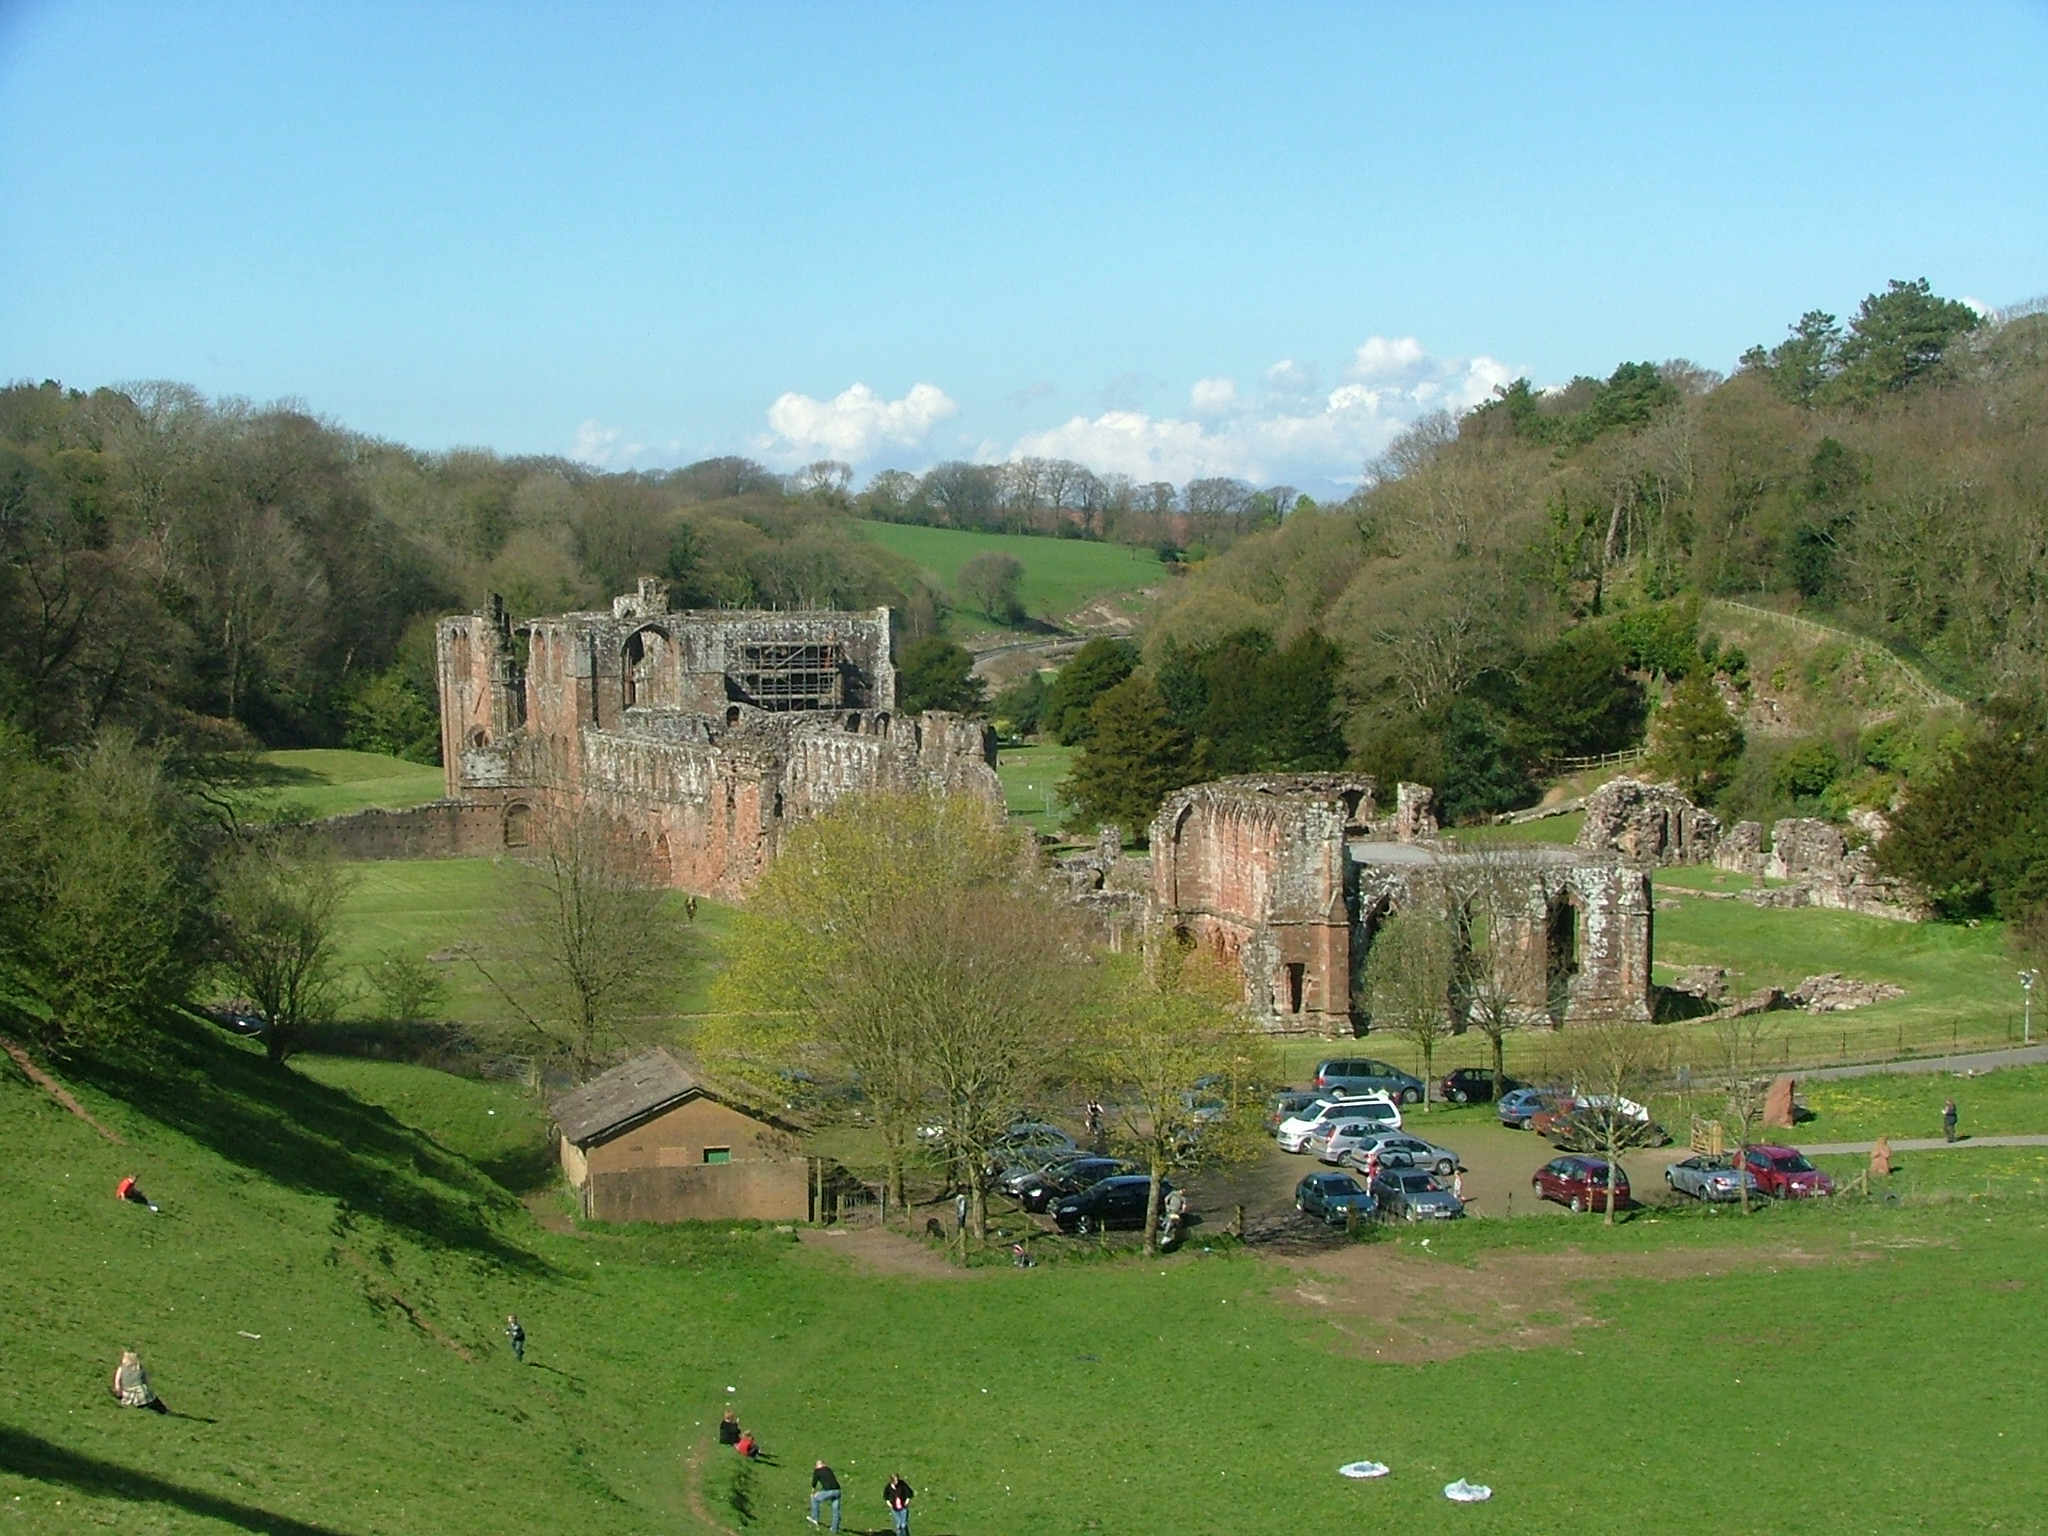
(131, 1385)
(729, 1429)
(131, 1192)
(747, 1445)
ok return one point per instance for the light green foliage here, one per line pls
(277, 905)
(407, 988)
(991, 581)
(1410, 972)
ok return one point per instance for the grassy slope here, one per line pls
(1128, 1398)
(316, 783)
(1060, 575)
(1029, 775)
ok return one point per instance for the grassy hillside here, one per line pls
(376, 1263)
(308, 785)
(1061, 576)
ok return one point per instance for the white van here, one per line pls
(1378, 1109)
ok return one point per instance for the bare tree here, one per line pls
(1745, 1041)
(1610, 1061)
(588, 943)
(1409, 975)
(279, 894)
(1177, 1053)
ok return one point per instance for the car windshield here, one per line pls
(1792, 1163)
(1417, 1183)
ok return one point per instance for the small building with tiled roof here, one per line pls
(649, 1141)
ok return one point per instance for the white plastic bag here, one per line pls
(1463, 1492)
(1363, 1469)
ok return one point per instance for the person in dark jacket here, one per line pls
(517, 1335)
(729, 1429)
(897, 1496)
(1948, 1120)
(824, 1490)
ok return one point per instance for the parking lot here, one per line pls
(1497, 1165)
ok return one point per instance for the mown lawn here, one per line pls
(1060, 575)
(2011, 1101)
(1031, 778)
(1195, 1393)
(316, 783)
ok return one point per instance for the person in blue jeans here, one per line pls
(897, 1496)
(824, 1490)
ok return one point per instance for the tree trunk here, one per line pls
(1500, 1069)
(1152, 1212)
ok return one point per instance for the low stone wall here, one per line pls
(440, 829)
(750, 1191)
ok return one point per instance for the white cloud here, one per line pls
(1288, 434)
(1213, 397)
(854, 425)
(604, 447)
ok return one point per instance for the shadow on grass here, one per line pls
(308, 1137)
(30, 1456)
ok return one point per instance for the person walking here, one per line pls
(897, 1496)
(1948, 1120)
(824, 1490)
(517, 1335)
(131, 1385)
(960, 1212)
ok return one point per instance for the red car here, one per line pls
(1785, 1173)
(1579, 1182)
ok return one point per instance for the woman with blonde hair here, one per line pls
(131, 1385)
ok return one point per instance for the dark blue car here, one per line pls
(1332, 1197)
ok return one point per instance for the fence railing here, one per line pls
(1928, 692)
(1599, 760)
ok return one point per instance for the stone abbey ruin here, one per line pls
(699, 737)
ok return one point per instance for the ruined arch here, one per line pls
(649, 669)
(518, 825)
(1564, 926)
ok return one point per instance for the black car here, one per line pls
(1068, 1178)
(1473, 1085)
(1333, 1197)
(1019, 1176)
(1116, 1202)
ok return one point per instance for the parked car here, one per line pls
(1107, 1203)
(1294, 1132)
(1330, 1140)
(1519, 1105)
(1580, 1183)
(1285, 1105)
(1785, 1174)
(1069, 1178)
(1026, 1141)
(242, 1019)
(1412, 1195)
(1585, 1127)
(1473, 1085)
(1399, 1151)
(1710, 1178)
(1333, 1197)
(1012, 1180)
(1363, 1074)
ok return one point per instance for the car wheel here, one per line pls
(1578, 1205)
(1411, 1096)
(1080, 1226)
(1445, 1168)
(1457, 1096)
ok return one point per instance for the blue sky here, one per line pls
(1166, 240)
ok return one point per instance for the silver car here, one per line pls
(1397, 1151)
(1413, 1195)
(1710, 1178)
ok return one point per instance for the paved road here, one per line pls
(1969, 1061)
(1928, 1144)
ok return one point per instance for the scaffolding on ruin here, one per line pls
(785, 677)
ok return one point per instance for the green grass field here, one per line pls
(1060, 575)
(321, 1298)
(1031, 778)
(315, 783)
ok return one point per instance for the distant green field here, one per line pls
(315, 783)
(1550, 829)
(1031, 778)
(1060, 575)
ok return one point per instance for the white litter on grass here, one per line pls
(1363, 1469)
(1462, 1492)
